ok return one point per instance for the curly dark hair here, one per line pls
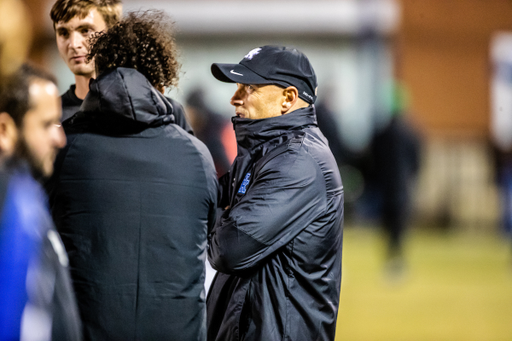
(143, 41)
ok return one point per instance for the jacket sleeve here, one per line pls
(285, 197)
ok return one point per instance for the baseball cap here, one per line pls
(278, 65)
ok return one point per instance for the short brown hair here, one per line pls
(65, 10)
(143, 41)
(15, 97)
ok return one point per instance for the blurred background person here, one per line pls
(327, 122)
(501, 122)
(214, 130)
(37, 301)
(395, 161)
(134, 193)
(349, 162)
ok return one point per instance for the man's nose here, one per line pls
(75, 40)
(236, 99)
(59, 137)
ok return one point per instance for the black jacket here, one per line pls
(132, 199)
(278, 246)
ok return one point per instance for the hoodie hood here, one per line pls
(124, 98)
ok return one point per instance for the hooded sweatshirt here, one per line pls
(132, 197)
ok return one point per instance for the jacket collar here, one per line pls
(250, 133)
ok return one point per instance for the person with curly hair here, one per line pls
(134, 194)
(150, 34)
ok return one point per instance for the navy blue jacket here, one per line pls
(133, 197)
(278, 245)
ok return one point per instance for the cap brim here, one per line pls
(236, 73)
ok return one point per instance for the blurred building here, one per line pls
(445, 47)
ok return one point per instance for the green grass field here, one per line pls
(455, 287)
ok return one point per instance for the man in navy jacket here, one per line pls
(277, 245)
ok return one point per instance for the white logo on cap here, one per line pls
(252, 53)
(235, 73)
(307, 95)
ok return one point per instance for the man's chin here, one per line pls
(47, 171)
(40, 167)
(82, 71)
(43, 169)
(37, 172)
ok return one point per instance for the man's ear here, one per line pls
(8, 134)
(291, 100)
(290, 97)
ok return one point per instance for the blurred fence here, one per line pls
(456, 185)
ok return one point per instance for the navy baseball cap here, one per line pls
(278, 65)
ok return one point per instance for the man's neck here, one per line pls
(82, 86)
